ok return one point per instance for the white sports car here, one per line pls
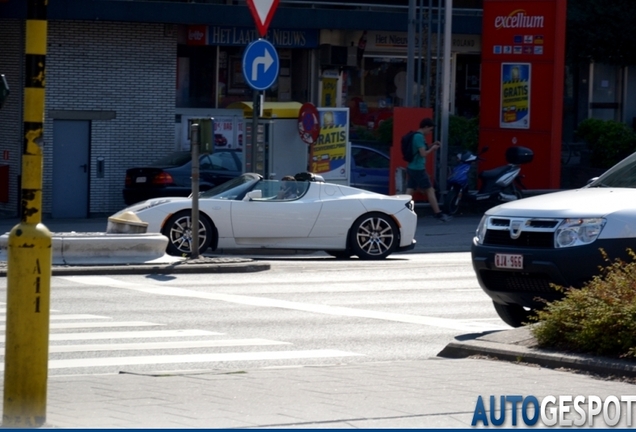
(306, 213)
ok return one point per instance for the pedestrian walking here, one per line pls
(418, 179)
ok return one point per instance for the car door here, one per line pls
(370, 170)
(268, 217)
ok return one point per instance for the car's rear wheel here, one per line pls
(340, 254)
(513, 314)
(374, 236)
(178, 229)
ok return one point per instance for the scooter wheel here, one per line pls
(452, 200)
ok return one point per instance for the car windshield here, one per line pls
(233, 189)
(621, 175)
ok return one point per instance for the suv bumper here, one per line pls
(568, 267)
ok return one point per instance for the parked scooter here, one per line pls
(499, 184)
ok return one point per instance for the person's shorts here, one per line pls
(418, 179)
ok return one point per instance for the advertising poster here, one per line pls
(329, 153)
(228, 133)
(515, 96)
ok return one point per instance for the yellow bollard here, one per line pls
(29, 253)
(27, 334)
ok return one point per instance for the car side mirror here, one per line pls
(255, 194)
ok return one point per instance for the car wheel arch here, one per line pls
(214, 242)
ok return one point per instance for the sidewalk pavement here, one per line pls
(400, 394)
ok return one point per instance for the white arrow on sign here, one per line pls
(266, 60)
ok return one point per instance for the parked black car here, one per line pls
(171, 175)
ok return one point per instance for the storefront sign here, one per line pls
(242, 36)
(397, 42)
(522, 67)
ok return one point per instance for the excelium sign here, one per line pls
(560, 411)
(519, 19)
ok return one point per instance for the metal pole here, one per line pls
(410, 61)
(429, 33)
(29, 252)
(194, 227)
(420, 32)
(445, 105)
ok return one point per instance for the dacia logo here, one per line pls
(515, 228)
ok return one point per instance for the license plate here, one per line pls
(509, 261)
(140, 180)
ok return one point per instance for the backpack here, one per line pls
(407, 146)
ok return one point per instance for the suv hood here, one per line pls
(585, 202)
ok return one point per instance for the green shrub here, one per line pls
(385, 131)
(610, 141)
(599, 318)
(463, 132)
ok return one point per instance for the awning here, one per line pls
(283, 110)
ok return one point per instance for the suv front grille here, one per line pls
(526, 239)
(533, 233)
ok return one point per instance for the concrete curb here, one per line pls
(541, 357)
(183, 267)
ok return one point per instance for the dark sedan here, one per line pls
(171, 175)
(369, 169)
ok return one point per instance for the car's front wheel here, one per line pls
(513, 314)
(374, 236)
(178, 229)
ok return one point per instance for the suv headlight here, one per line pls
(481, 230)
(578, 232)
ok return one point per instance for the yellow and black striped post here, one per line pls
(29, 253)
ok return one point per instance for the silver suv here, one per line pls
(522, 247)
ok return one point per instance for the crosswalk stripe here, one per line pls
(69, 317)
(126, 335)
(164, 345)
(194, 358)
(77, 325)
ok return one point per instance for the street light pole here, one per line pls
(446, 84)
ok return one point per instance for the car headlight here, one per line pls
(578, 232)
(150, 204)
(481, 230)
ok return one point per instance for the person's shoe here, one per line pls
(442, 217)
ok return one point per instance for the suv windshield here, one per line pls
(621, 175)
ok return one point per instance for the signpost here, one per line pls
(260, 62)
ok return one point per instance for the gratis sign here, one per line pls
(263, 12)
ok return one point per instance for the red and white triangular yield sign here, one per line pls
(263, 12)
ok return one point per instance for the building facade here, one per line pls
(119, 73)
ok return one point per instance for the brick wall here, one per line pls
(128, 68)
(11, 61)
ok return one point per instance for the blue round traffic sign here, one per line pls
(260, 64)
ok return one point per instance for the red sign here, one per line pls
(523, 55)
(309, 123)
(263, 12)
(197, 35)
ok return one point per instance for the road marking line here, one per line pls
(69, 317)
(126, 335)
(194, 358)
(164, 345)
(284, 304)
(77, 325)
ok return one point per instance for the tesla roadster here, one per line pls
(252, 212)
